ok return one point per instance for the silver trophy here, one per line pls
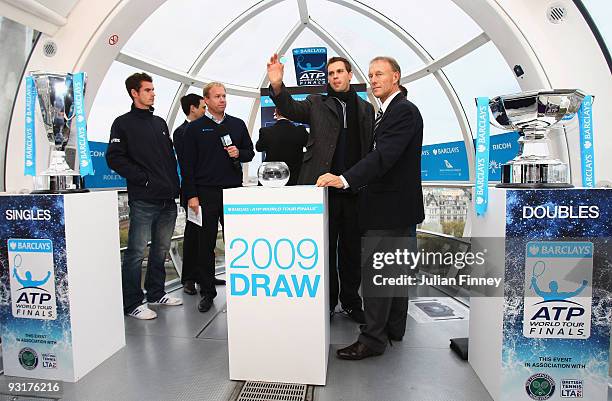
(56, 100)
(532, 114)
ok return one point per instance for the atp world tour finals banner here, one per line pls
(34, 305)
(556, 315)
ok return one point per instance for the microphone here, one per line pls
(226, 140)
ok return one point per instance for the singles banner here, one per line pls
(556, 327)
(34, 302)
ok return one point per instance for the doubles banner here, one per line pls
(556, 327)
(34, 304)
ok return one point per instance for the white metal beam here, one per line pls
(212, 46)
(420, 51)
(33, 14)
(303, 8)
(445, 60)
(282, 48)
(179, 76)
(338, 48)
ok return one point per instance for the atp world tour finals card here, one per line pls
(558, 290)
(32, 278)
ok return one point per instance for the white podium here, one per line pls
(62, 267)
(277, 284)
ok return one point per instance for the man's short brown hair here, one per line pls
(134, 81)
(347, 65)
(211, 85)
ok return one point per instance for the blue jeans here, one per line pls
(150, 220)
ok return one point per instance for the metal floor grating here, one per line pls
(263, 391)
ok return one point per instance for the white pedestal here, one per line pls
(487, 313)
(85, 284)
(277, 288)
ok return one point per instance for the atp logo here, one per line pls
(555, 306)
(32, 279)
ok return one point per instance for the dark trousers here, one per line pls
(211, 200)
(150, 220)
(344, 251)
(386, 316)
(192, 264)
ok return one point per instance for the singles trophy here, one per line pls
(60, 98)
(532, 114)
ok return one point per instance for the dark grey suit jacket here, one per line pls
(319, 111)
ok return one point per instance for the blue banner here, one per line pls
(103, 176)
(444, 162)
(587, 155)
(86, 168)
(29, 167)
(483, 133)
(310, 66)
(556, 329)
(504, 147)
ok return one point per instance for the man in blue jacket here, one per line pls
(215, 147)
(140, 149)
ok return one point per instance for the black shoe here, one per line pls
(356, 314)
(189, 287)
(356, 352)
(395, 338)
(205, 304)
(218, 281)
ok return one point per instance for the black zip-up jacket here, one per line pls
(206, 161)
(140, 149)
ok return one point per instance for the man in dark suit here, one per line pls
(390, 179)
(194, 107)
(283, 142)
(340, 135)
(216, 145)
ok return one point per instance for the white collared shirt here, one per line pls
(388, 101)
(207, 114)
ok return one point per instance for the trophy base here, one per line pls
(62, 184)
(534, 174)
(540, 185)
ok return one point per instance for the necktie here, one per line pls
(379, 116)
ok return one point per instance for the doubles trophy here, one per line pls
(61, 100)
(532, 114)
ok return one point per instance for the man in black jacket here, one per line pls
(215, 145)
(283, 142)
(340, 135)
(194, 107)
(390, 179)
(140, 149)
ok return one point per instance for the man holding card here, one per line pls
(215, 147)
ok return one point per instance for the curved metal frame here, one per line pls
(433, 66)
